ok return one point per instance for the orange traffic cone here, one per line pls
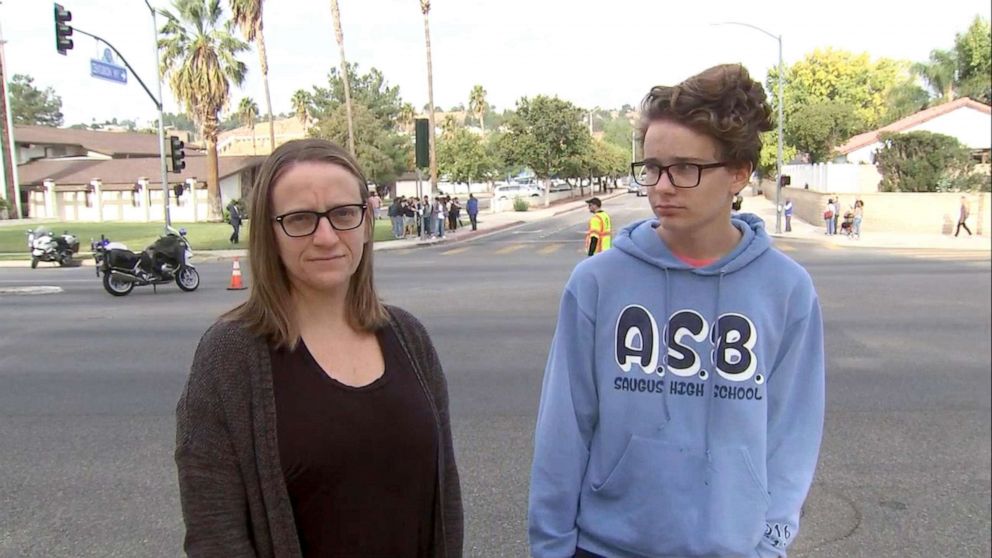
(236, 284)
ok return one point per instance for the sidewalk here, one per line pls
(488, 223)
(802, 230)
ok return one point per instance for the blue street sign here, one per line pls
(109, 72)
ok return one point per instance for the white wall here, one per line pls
(230, 189)
(835, 177)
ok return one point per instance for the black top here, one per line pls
(359, 463)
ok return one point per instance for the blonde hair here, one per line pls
(268, 310)
(722, 102)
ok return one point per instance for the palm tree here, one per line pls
(425, 7)
(199, 56)
(248, 17)
(939, 73)
(477, 104)
(301, 107)
(336, 13)
(248, 112)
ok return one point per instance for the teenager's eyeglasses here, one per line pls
(681, 175)
(304, 223)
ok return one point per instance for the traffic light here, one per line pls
(63, 32)
(422, 129)
(175, 154)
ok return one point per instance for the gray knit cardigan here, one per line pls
(233, 493)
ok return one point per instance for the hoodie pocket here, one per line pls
(662, 499)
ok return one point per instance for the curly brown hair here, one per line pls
(722, 102)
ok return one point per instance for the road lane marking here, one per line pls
(549, 249)
(454, 251)
(509, 249)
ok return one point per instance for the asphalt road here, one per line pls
(88, 385)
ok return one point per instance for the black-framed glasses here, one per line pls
(304, 223)
(681, 175)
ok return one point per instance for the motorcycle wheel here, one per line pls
(187, 278)
(115, 286)
(34, 262)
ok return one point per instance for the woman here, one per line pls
(682, 405)
(859, 216)
(315, 419)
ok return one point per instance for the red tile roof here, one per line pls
(112, 144)
(868, 138)
(124, 172)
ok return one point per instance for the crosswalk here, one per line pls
(551, 248)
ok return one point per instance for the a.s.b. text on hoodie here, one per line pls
(682, 408)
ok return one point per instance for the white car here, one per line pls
(635, 188)
(511, 191)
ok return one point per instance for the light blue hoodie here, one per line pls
(709, 451)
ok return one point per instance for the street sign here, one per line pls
(107, 68)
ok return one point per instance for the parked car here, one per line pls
(510, 191)
(635, 188)
(560, 186)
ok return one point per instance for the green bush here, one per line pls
(520, 204)
(925, 162)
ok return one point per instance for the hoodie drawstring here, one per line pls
(713, 360)
(664, 358)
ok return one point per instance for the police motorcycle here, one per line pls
(166, 260)
(46, 246)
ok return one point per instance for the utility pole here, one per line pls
(161, 126)
(12, 190)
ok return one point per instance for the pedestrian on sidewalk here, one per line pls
(439, 212)
(375, 202)
(426, 228)
(302, 400)
(828, 216)
(454, 208)
(682, 406)
(234, 214)
(837, 208)
(472, 207)
(963, 216)
(396, 217)
(859, 217)
(788, 215)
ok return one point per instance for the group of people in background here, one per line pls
(424, 218)
(853, 217)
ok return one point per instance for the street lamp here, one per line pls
(781, 101)
(161, 125)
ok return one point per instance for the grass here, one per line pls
(137, 236)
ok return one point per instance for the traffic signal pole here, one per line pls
(64, 44)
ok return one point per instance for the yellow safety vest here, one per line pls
(600, 229)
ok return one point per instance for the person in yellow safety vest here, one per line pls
(600, 234)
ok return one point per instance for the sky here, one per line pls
(593, 53)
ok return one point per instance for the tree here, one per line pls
(301, 107)
(925, 162)
(425, 8)
(768, 158)
(819, 127)
(382, 153)
(369, 89)
(462, 157)
(32, 106)
(939, 73)
(619, 132)
(248, 113)
(837, 75)
(973, 50)
(903, 100)
(543, 134)
(339, 36)
(477, 104)
(406, 117)
(199, 56)
(247, 15)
